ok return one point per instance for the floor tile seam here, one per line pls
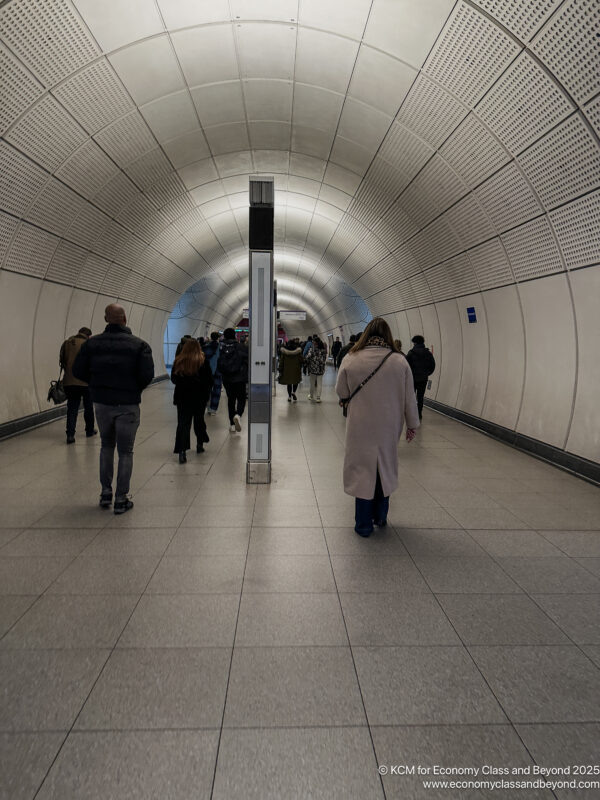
(477, 667)
(528, 594)
(578, 645)
(94, 684)
(230, 667)
(354, 667)
(543, 533)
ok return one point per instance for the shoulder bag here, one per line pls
(345, 401)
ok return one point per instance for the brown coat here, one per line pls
(68, 353)
(375, 418)
(290, 366)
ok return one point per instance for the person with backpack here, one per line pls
(233, 366)
(212, 349)
(422, 364)
(193, 379)
(316, 360)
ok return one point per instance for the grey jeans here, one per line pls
(118, 426)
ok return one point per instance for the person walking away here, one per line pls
(233, 366)
(290, 369)
(335, 349)
(422, 364)
(346, 349)
(184, 339)
(211, 350)
(376, 414)
(316, 361)
(117, 366)
(193, 379)
(75, 389)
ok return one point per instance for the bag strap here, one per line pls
(368, 378)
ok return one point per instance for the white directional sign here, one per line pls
(300, 315)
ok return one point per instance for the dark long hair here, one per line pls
(377, 327)
(190, 358)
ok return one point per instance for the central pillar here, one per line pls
(258, 467)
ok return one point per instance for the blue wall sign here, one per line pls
(471, 315)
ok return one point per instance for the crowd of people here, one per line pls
(379, 388)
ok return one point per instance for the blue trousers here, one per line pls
(368, 511)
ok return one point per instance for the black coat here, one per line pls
(241, 374)
(193, 391)
(116, 365)
(421, 361)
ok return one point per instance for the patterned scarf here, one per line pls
(377, 341)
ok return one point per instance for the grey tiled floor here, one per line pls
(231, 641)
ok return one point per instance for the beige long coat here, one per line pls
(375, 418)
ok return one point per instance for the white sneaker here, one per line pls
(237, 425)
(232, 429)
(309, 397)
(318, 400)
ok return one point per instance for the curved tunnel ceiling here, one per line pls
(421, 151)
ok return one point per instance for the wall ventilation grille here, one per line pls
(18, 90)
(522, 17)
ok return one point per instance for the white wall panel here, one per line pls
(476, 355)
(550, 365)
(584, 436)
(449, 367)
(48, 335)
(507, 356)
(80, 312)
(18, 299)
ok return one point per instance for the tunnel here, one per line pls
(436, 163)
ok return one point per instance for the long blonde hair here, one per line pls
(190, 359)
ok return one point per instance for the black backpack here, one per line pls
(230, 360)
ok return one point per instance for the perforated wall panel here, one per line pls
(592, 112)
(47, 134)
(95, 96)
(491, 265)
(92, 273)
(169, 189)
(21, 180)
(115, 194)
(532, 250)
(404, 151)
(31, 251)
(577, 227)
(440, 283)
(66, 264)
(473, 152)
(400, 225)
(422, 250)
(470, 54)
(126, 139)
(522, 17)
(420, 289)
(114, 280)
(136, 212)
(88, 169)
(564, 164)
(523, 105)
(87, 226)
(112, 240)
(430, 112)
(149, 168)
(507, 198)
(48, 37)
(570, 46)
(8, 226)
(469, 222)
(442, 239)
(18, 89)
(55, 207)
(462, 276)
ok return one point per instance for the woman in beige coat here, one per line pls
(376, 416)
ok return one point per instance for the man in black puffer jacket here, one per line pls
(422, 364)
(117, 366)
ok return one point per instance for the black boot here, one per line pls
(182, 457)
(199, 448)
